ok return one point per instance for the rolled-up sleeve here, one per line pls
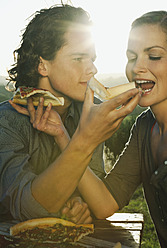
(30, 208)
(16, 170)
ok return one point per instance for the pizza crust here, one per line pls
(43, 223)
(108, 93)
(117, 90)
(23, 93)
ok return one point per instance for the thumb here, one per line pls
(88, 102)
(89, 97)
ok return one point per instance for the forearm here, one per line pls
(62, 140)
(55, 185)
(97, 196)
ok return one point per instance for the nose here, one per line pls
(91, 69)
(139, 66)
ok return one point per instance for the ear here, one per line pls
(42, 67)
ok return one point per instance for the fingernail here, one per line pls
(140, 92)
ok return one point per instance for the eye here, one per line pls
(131, 59)
(79, 59)
(131, 56)
(154, 57)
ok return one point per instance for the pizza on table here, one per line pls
(46, 232)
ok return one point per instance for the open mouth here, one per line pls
(145, 86)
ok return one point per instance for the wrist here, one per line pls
(62, 140)
(83, 143)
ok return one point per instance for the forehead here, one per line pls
(147, 36)
(79, 38)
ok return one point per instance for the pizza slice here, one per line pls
(50, 230)
(11, 241)
(22, 93)
(107, 93)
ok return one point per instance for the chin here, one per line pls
(78, 98)
(144, 103)
(81, 99)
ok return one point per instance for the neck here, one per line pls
(62, 111)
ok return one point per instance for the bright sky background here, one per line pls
(112, 19)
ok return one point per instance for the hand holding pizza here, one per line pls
(77, 211)
(47, 121)
(100, 122)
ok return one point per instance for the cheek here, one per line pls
(159, 67)
(128, 72)
(163, 77)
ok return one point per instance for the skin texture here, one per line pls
(97, 123)
(72, 66)
(147, 60)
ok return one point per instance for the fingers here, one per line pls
(43, 118)
(46, 120)
(121, 99)
(38, 112)
(35, 115)
(78, 212)
(19, 108)
(129, 106)
(84, 215)
(119, 107)
(38, 117)
(31, 109)
(89, 97)
(117, 115)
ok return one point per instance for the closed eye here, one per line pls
(131, 56)
(78, 59)
(132, 59)
(154, 57)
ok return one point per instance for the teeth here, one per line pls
(144, 91)
(139, 82)
(142, 81)
(147, 90)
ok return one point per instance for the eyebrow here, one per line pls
(80, 54)
(83, 55)
(149, 48)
